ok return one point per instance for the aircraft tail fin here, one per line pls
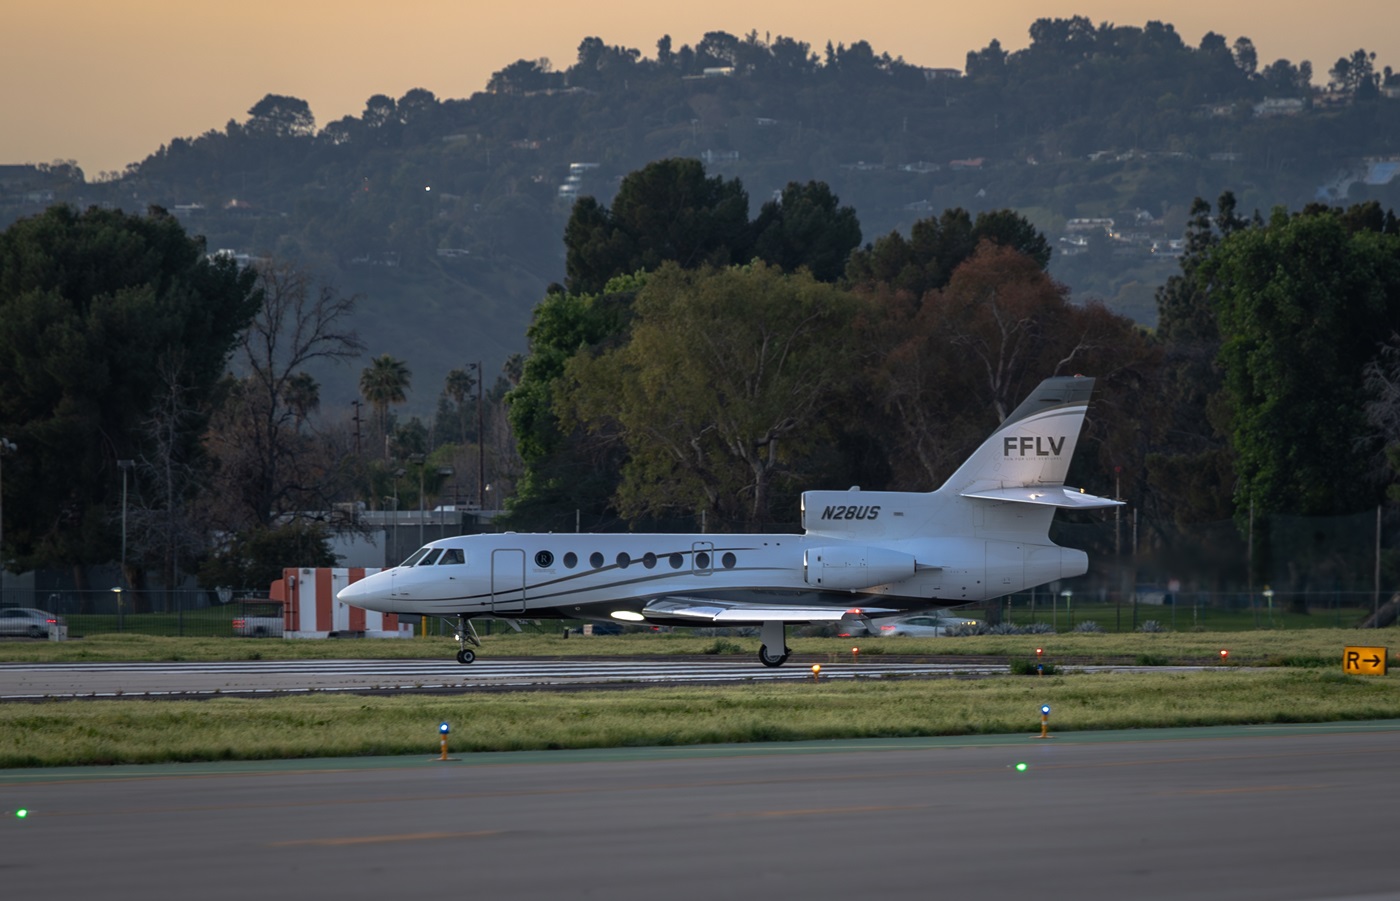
(1027, 458)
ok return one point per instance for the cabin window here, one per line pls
(453, 556)
(649, 560)
(623, 561)
(415, 557)
(728, 560)
(702, 560)
(596, 560)
(677, 561)
(570, 560)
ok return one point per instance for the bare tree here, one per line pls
(271, 461)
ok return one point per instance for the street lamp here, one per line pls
(125, 466)
(6, 446)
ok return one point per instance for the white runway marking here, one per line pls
(107, 680)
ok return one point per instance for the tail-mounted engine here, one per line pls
(854, 567)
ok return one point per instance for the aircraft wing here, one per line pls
(1046, 496)
(709, 610)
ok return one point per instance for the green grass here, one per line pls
(70, 733)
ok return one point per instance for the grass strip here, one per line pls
(77, 733)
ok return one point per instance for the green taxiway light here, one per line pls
(1020, 767)
(21, 813)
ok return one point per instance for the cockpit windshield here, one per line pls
(415, 556)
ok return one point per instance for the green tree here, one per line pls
(925, 261)
(1189, 474)
(1303, 303)
(278, 116)
(566, 469)
(103, 314)
(806, 226)
(666, 211)
(252, 560)
(727, 378)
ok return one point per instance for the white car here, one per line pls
(929, 625)
(259, 619)
(28, 621)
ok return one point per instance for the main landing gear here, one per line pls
(466, 632)
(773, 635)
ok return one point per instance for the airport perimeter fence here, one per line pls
(183, 612)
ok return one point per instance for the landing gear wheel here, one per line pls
(466, 655)
(769, 660)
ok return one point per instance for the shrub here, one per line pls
(1088, 626)
(1038, 629)
(1151, 625)
(1021, 666)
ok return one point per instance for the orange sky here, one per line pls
(106, 82)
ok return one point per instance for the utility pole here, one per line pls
(356, 420)
(6, 446)
(125, 466)
(480, 439)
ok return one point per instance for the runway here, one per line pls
(38, 681)
(1284, 813)
(165, 680)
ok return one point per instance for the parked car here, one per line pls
(260, 619)
(931, 624)
(28, 621)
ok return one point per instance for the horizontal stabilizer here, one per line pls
(708, 610)
(1046, 496)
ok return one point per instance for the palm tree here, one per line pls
(385, 381)
(459, 387)
(302, 393)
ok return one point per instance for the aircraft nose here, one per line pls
(357, 593)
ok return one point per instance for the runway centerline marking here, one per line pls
(821, 811)
(382, 839)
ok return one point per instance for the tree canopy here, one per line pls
(105, 319)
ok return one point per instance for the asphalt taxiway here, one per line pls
(1284, 813)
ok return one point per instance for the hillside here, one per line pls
(446, 215)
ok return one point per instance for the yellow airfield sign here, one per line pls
(1364, 661)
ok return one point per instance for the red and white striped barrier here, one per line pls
(311, 610)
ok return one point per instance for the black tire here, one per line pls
(36, 632)
(766, 660)
(466, 656)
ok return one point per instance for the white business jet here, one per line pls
(984, 534)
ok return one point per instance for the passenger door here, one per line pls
(507, 581)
